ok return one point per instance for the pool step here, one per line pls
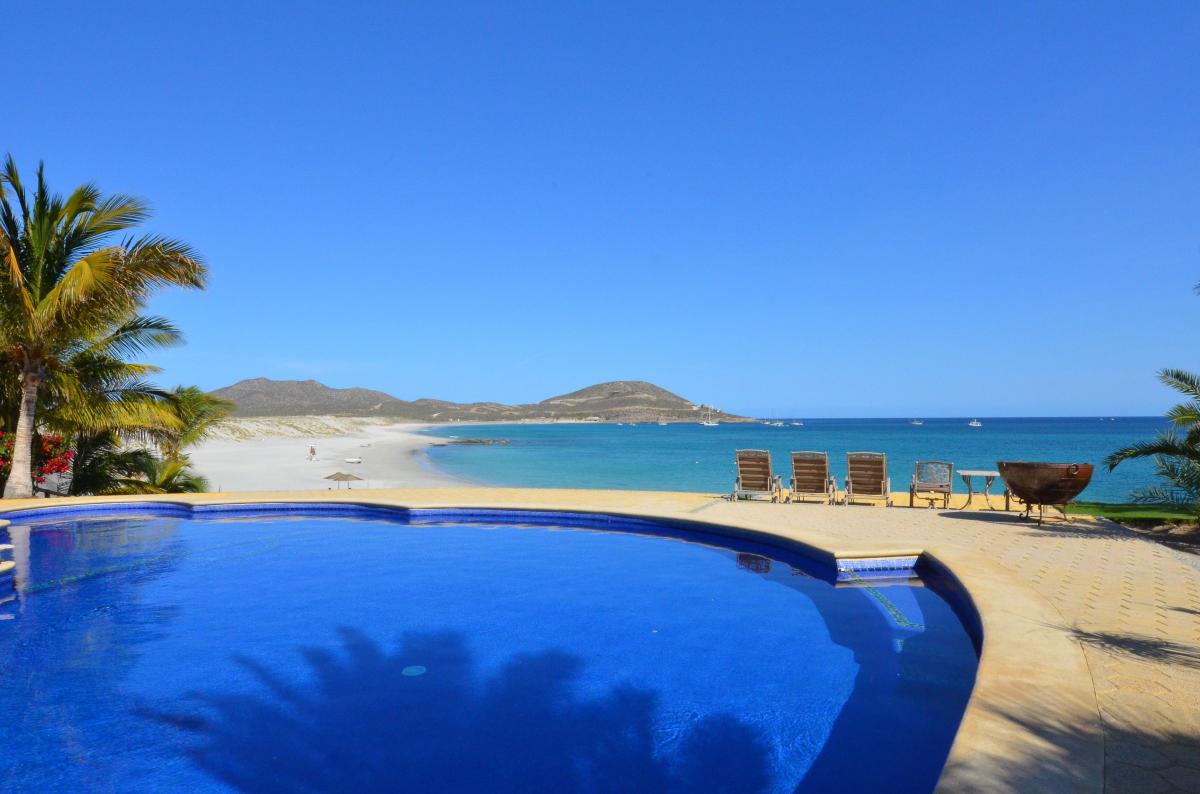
(862, 569)
(7, 570)
(8, 607)
(8, 595)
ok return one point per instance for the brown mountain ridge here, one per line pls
(615, 401)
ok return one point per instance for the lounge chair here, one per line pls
(755, 479)
(932, 480)
(810, 477)
(867, 477)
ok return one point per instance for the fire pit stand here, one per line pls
(1045, 484)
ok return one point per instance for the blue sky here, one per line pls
(782, 209)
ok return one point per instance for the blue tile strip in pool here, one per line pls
(858, 569)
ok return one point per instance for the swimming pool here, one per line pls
(345, 648)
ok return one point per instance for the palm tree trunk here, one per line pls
(20, 477)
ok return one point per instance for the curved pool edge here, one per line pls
(1032, 721)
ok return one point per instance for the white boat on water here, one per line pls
(974, 423)
(662, 424)
(708, 421)
(354, 460)
(797, 424)
(917, 422)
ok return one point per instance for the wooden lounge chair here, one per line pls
(810, 477)
(867, 477)
(932, 480)
(755, 480)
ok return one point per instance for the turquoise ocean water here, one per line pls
(690, 457)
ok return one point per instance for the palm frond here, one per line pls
(1185, 414)
(198, 412)
(84, 282)
(102, 463)
(21, 311)
(1184, 382)
(1157, 495)
(155, 476)
(83, 200)
(98, 218)
(131, 413)
(136, 335)
(1167, 443)
(154, 261)
(12, 177)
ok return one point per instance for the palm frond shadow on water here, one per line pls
(371, 721)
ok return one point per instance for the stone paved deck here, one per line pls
(1090, 674)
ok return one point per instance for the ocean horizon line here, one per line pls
(802, 417)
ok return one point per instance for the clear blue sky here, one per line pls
(906, 209)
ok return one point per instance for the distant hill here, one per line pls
(617, 401)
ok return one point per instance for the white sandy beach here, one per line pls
(272, 454)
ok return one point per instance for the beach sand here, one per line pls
(271, 454)
(255, 455)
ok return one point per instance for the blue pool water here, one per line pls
(688, 457)
(328, 653)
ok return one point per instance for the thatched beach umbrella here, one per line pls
(342, 477)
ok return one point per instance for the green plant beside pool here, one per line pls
(1133, 513)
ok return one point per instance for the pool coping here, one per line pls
(1031, 674)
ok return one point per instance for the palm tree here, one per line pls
(1176, 452)
(154, 475)
(197, 412)
(66, 280)
(103, 465)
(106, 408)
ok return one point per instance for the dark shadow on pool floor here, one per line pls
(370, 721)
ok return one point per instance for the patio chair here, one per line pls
(932, 480)
(867, 477)
(755, 480)
(810, 477)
